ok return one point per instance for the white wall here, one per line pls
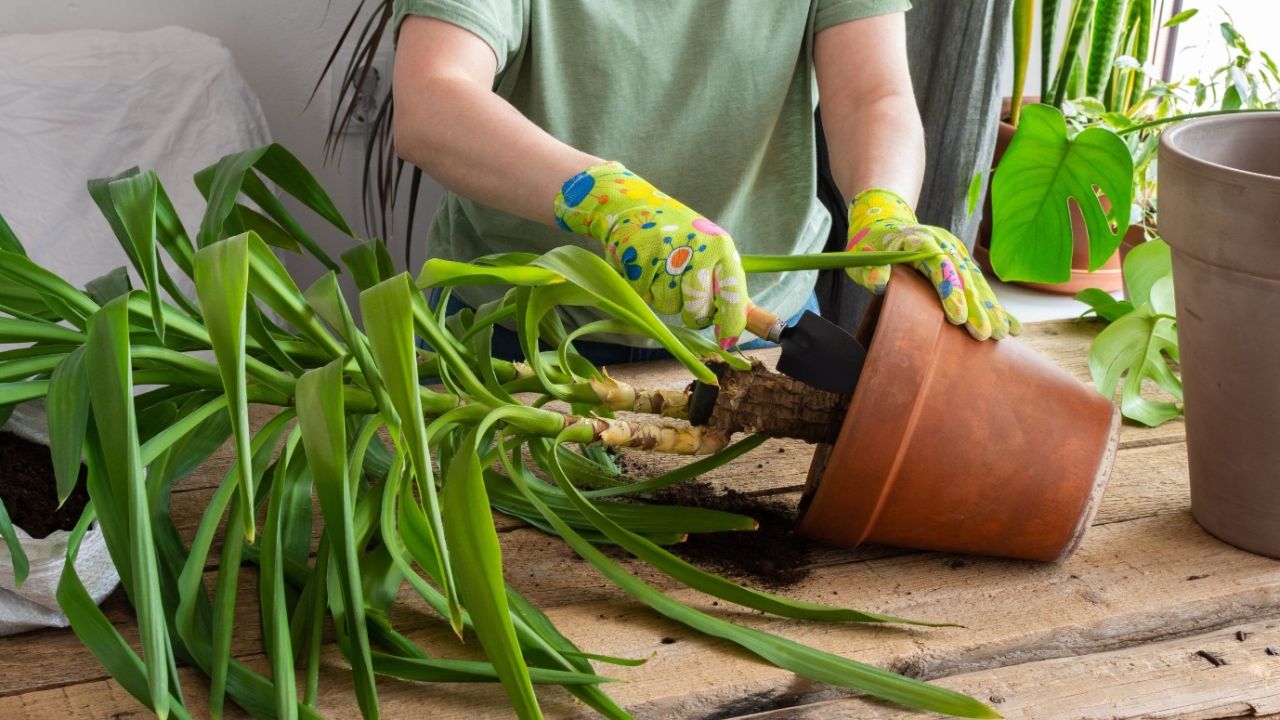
(280, 47)
(1200, 40)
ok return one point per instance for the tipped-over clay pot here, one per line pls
(955, 445)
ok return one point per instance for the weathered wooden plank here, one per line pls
(1228, 673)
(1133, 582)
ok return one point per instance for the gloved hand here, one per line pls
(678, 260)
(881, 220)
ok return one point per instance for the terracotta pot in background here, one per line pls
(1107, 277)
(1220, 214)
(956, 445)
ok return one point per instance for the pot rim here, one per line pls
(1170, 150)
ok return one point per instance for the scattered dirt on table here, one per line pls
(773, 556)
(28, 489)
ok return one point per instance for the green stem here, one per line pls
(825, 261)
(1192, 116)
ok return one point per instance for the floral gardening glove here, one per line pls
(678, 260)
(881, 220)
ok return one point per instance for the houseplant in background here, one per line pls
(1048, 224)
(1142, 341)
(1077, 178)
(326, 389)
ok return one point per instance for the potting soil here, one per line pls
(772, 556)
(29, 492)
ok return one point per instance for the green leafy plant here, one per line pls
(1093, 140)
(1142, 340)
(415, 513)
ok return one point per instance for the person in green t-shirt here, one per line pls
(542, 118)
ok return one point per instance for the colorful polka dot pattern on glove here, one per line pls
(679, 261)
(880, 220)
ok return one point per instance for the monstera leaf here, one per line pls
(1041, 171)
(1138, 347)
(1144, 266)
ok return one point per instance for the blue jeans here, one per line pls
(506, 343)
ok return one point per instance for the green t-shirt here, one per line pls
(710, 100)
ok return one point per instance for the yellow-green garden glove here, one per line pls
(678, 260)
(881, 220)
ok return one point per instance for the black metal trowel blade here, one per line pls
(820, 353)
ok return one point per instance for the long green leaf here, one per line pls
(1107, 27)
(706, 582)
(224, 605)
(216, 655)
(326, 299)
(109, 285)
(17, 556)
(222, 285)
(144, 208)
(438, 272)
(591, 273)
(810, 663)
(13, 330)
(321, 418)
(386, 311)
(59, 295)
(1023, 24)
(1048, 33)
(451, 671)
(135, 200)
(271, 589)
(67, 413)
(98, 634)
(473, 542)
(9, 241)
(223, 182)
(111, 393)
(369, 263)
(1070, 62)
(271, 283)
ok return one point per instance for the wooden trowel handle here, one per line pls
(764, 324)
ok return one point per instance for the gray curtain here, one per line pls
(956, 53)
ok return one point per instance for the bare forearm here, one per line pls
(876, 144)
(477, 145)
(449, 123)
(869, 112)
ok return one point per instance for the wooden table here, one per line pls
(1152, 618)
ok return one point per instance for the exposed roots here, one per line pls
(762, 401)
(676, 438)
(616, 395)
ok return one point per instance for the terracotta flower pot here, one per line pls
(1220, 214)
(1107, 277)
(955, 445)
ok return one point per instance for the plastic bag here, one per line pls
(35, 604)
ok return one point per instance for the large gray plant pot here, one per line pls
(1220, 212)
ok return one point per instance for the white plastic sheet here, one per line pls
(35, 603)
(88, 103)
